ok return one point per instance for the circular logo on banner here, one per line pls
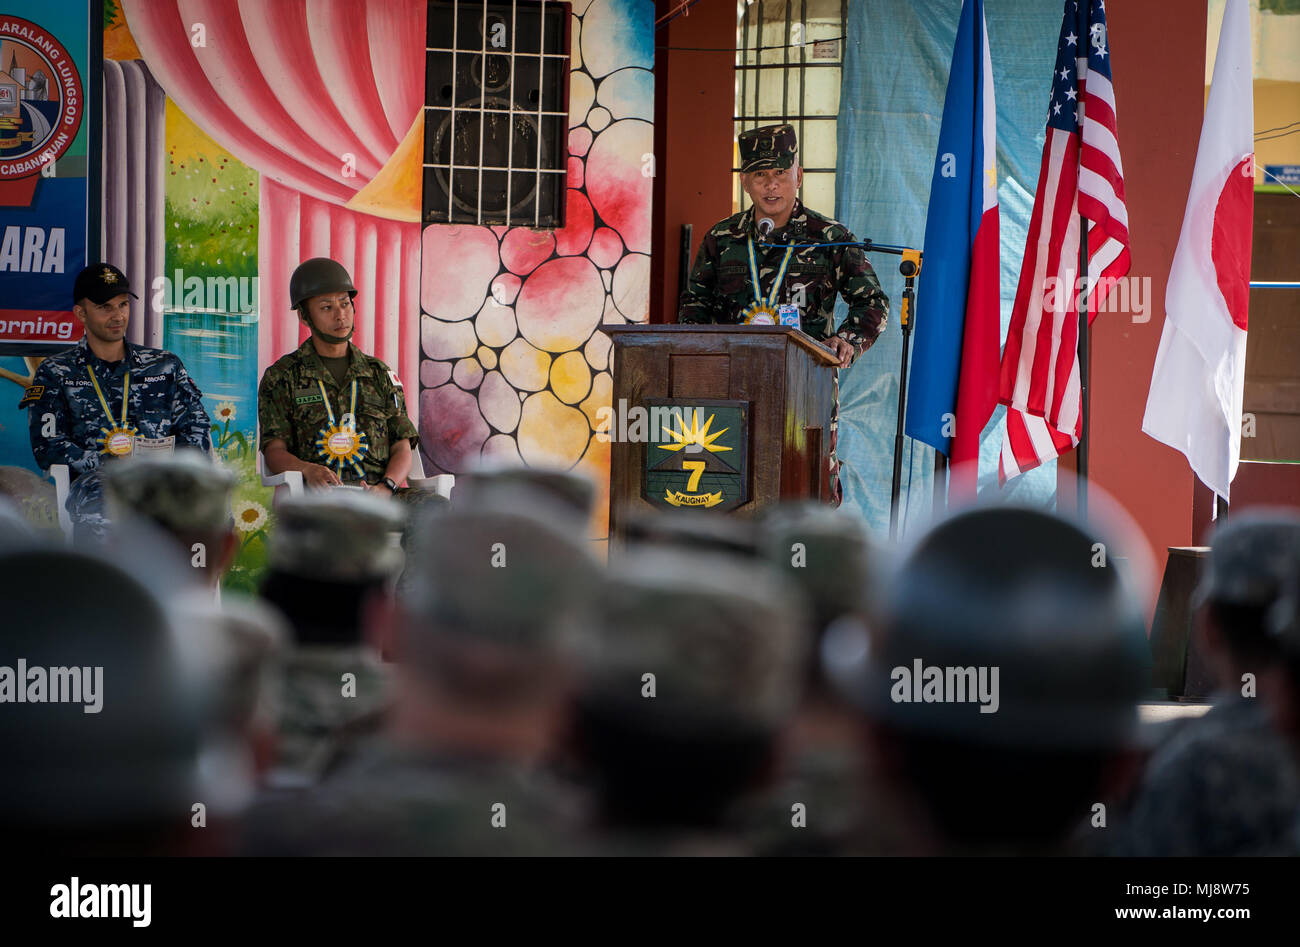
(41, 98)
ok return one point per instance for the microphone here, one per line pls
(764, 228)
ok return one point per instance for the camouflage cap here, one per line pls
(825, 551)
(1253, 555)
(574, 491)
(343, 534)
(726, 642)
(1013, 590)
(772, 146)
(692, 531)
(183, 492)
(506, 576)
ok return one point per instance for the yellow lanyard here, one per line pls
(126, 387)
(352, 409)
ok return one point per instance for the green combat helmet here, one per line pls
(317, 277)
(772, 146)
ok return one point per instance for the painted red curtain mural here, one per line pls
(316, 97)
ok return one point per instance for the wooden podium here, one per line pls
(745, 414)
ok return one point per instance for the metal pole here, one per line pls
(1083, 369)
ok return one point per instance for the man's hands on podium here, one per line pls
(841, 349)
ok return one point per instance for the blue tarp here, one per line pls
(896, 60)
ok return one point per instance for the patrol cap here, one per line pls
(99, 283)
(184, 492)
(825, 551)
(726, 643)
(316, 277)
(692, 530)
(1253, 555)
(1011, 589)
(573, 491)
(509, 577)
(772, 146)
(342, 534)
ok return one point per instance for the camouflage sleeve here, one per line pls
(868, 305)
(49, 424)
(400, 426)
(190, 421)
(699, 302)
(273, 408)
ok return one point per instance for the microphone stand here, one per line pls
(909, 269)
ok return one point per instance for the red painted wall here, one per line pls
(1159, 74)
(695, 93)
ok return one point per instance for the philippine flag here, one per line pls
(1194, 404)
(954, 384)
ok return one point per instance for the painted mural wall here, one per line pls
(514, 365)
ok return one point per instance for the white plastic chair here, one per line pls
(291, 480)
(62, 482)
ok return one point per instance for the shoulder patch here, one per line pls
(392, 376)
(31, 394)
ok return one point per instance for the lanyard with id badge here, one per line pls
(765, 311)
(119, 440)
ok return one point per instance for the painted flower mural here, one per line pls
(514, 366)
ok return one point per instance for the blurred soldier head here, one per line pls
(187, 496)
(691, 531)
(110, 723)
(491, 607)
(332, 554)
(1253, 555)
(696, 667)
(769, 169)
(1003, 689)
(1284, 694)
(322, 292)
(101, 301)
(569, 490)
(827, 554)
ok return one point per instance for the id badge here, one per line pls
(155, 445)
(788, 315)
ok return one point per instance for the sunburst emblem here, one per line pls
(694, 439)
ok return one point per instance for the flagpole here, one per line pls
(1082, 458)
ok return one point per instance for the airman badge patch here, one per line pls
(32, 394)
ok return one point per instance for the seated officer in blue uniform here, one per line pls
(106, 398)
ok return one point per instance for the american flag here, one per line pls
(1081, 175)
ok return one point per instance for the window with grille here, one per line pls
(496, 112)
(789, 55)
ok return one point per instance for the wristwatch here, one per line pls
(388, 482)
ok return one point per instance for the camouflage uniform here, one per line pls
(726, 643)
(476, 637)
(1227, 783)
(290, 407)
(720, 286)
(1224, 784)
(346, 540)
(163, 402)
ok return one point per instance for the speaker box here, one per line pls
(496, 113)
(1180, 665)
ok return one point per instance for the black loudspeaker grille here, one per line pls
(496, 113)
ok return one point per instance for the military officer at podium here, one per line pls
(781, 263)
